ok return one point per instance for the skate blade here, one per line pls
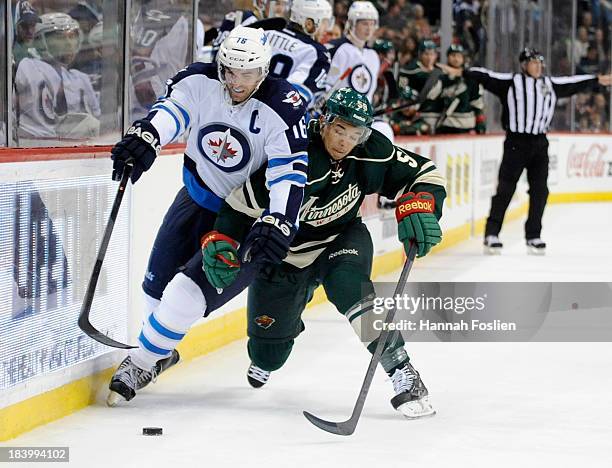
(534, 251)
(417, 409)
(492, 250)
(113, 399)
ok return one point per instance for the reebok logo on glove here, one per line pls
(283, 227)
(147, 137)
(410, 203)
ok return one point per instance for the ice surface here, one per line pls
(499, 404)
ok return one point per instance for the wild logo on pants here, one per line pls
(264, 321)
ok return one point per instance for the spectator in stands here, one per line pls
(469, 29)
(393, 20)
(600, 108)
(26, 20)
(408, 50)
(602, 48)
(587, 22)
(421, 21)
(340, 12)
(590, 65)
(88, 13)
(580, 44)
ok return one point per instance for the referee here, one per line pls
(528, 99)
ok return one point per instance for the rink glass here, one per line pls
(73, 121)
(160, 44)
(3, 88)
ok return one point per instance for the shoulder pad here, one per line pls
(378, 147)
(333, 46)
(282, 98)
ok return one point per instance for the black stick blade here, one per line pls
(344, 428)
(93, 333)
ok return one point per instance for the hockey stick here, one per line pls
(84, 323)
(323, 99)
(348, 427)
(444, 115)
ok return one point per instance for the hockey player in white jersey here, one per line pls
(160, 42)
(247, 13)
(296, 55)
(55, 101)
(351, 52)
(239, 120)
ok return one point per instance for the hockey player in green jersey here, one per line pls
(421, 73)
(333, 248)
(458, 105)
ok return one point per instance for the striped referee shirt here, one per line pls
(529, 103)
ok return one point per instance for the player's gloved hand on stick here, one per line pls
(409, 94)
(220, 259)
(269, 239)
(141, 144)
(416, 222)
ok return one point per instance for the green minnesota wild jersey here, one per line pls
(415, 75)
(461, 99)
(334, 192)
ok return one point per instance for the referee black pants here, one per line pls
(528, 152)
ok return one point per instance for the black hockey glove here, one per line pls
(141, 144)
(269, 239)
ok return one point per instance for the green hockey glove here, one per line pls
(416, 222)
(220, 259)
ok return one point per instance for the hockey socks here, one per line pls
(181, 306)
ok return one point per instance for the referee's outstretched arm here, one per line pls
(496, 83)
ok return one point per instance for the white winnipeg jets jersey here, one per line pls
(160, 50)
(243, 17)
(227, 143)
(364, 64)
(301, 60)
(46, 93)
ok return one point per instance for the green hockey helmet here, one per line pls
(351, 107)
(426, 44)
(455, 49)
(382, 46)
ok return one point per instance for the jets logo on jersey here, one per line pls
(293, 98)
(224, 146)
(47, 106)
(361, 79)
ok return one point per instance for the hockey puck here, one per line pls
(152, 431)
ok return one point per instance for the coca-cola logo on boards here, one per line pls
(589, 163)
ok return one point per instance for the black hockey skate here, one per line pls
(256, 376)
(536, 246)
(129, 377)
(492, 245)
(411, 396)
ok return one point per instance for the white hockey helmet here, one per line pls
(62, 51)
(361, 11)
(245, 48)
(96, 35)
(316, 10)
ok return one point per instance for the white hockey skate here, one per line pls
(256, 376)
(129, 377)
(411, 396)
(492, 245)
(536, 246)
